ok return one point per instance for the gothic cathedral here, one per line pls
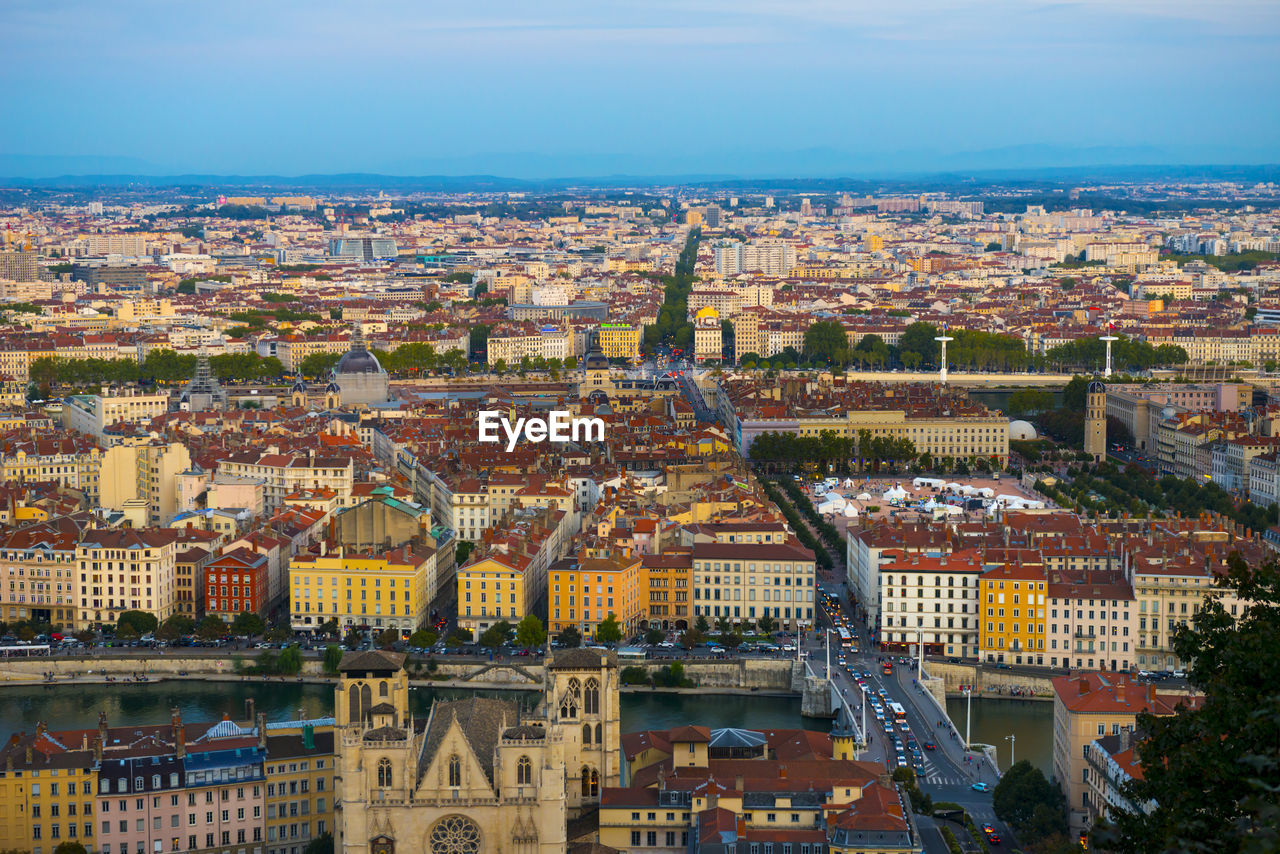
(476, 775)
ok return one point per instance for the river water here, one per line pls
(1029, 721)
(77, 707)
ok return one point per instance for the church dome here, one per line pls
(1022, 431)
(359, 361)
(1096, 387)
(332, 388)
(299, 386)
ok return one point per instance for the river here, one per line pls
(77, 707)
(1029, 721)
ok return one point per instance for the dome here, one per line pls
(359, 361)
(1022, 431)
(595, 361)
(299, 386)
(1096, 387)
(332, 388)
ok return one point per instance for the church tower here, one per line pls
(1095, 421)
(583, 708)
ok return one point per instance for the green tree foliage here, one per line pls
(290, 661)
(1213, 772)
(634, 676)
(1127, 354)
(318, 364)
(654, 636)
(247, 623)
(831, 451)
(137, 622)
(352, 639)
(211, 628)
(1033, 806)
(387, 638)
(672, 676)
(1025, 401)
(423, 638)
(918, 339)
(609, 631)
(530, 632)
(827, 343)
(332, 658)
(1075, 395)
(871, 352)
(569, 637)
(175, 627)
(69, 847)
(496, 635)
(322, 844)
(1230, 263)
(463, 551)
(673, 326)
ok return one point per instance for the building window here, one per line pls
(455, 770)
(524, 771)
(384, 774)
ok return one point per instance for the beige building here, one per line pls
(70, 462)
(285, 474)
(708, 339)
(91, 414)
(144, 472)
(1085, 707)
(38, 572)
(477, 775)
(1091, 620)
(126, 570)
(743, 581)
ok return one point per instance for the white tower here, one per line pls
(1108, 338)
(943, 339)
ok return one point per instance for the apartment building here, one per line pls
(665, 585)
(380, 590)
(285, 474)
(48, 789)
(620, 340)
(931, 598)
(1087, 706)
(746, 581)
(38, 572)
(126, 570)
(1091, 620)
(868, 550)
(1013, 614)
(508, 575)
(299, 800)
(74, 462)
(235, 583)
(144, 476)
(92, 414)
(584, 591)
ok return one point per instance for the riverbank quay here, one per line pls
(745, 676)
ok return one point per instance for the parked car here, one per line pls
(980, 787)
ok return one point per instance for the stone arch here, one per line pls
(366, 700)
(383, 689)
(384, 773)
(599, 732)
(591, 697)
(586, 733)
(353, 704)
(524, 771)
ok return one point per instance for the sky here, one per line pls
(561, 88)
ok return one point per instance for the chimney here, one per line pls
(102, 727)
(180, 741)
(262, 730)
(249, 709)
(84, 741)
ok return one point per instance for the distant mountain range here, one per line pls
(827, 166)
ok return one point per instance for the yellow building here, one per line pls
(391, 590)
(47, 795)
(299, 769)
(1012, 624)
(665, 582)
(585, 592)
(620, 340)
(491, 590)
(708, 335)
(146, 473)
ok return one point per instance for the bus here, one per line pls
(846, 639)
(897, 713)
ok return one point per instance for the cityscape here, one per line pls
(569, 471)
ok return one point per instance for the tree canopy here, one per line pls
(827, 342)
(1212, 772)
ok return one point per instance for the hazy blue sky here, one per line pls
(561, 87)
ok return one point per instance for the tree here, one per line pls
(1213, 772)
(318, 364)
(692, 637)
(530, 632)
(290, 661)
(423, 638)
(138, 622)
(247, 623)
(569, 637)
(609, 631)
(211, 628)
(1021, 792)
(322, 844)
(827, 343)
(69, 847)
(765, 623)
(1075, 394)
(496, 635)
(387, 638)
(332, 658)
(918, 339)
(352, 639)
(328, 628)
(654, 636)
(175, 627)
(701, 624)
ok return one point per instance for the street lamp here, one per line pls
(968, 714)
(1012, 739)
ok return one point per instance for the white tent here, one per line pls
(987, 492)
(866, 496)
(954, 487)
(849, 482)
(951, 508)
(896, 493)
(927, 482)
(850, 511)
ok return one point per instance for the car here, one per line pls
(929, 745)
(988, 829)
(980, 787)
(993, 838)
(1179, 674)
